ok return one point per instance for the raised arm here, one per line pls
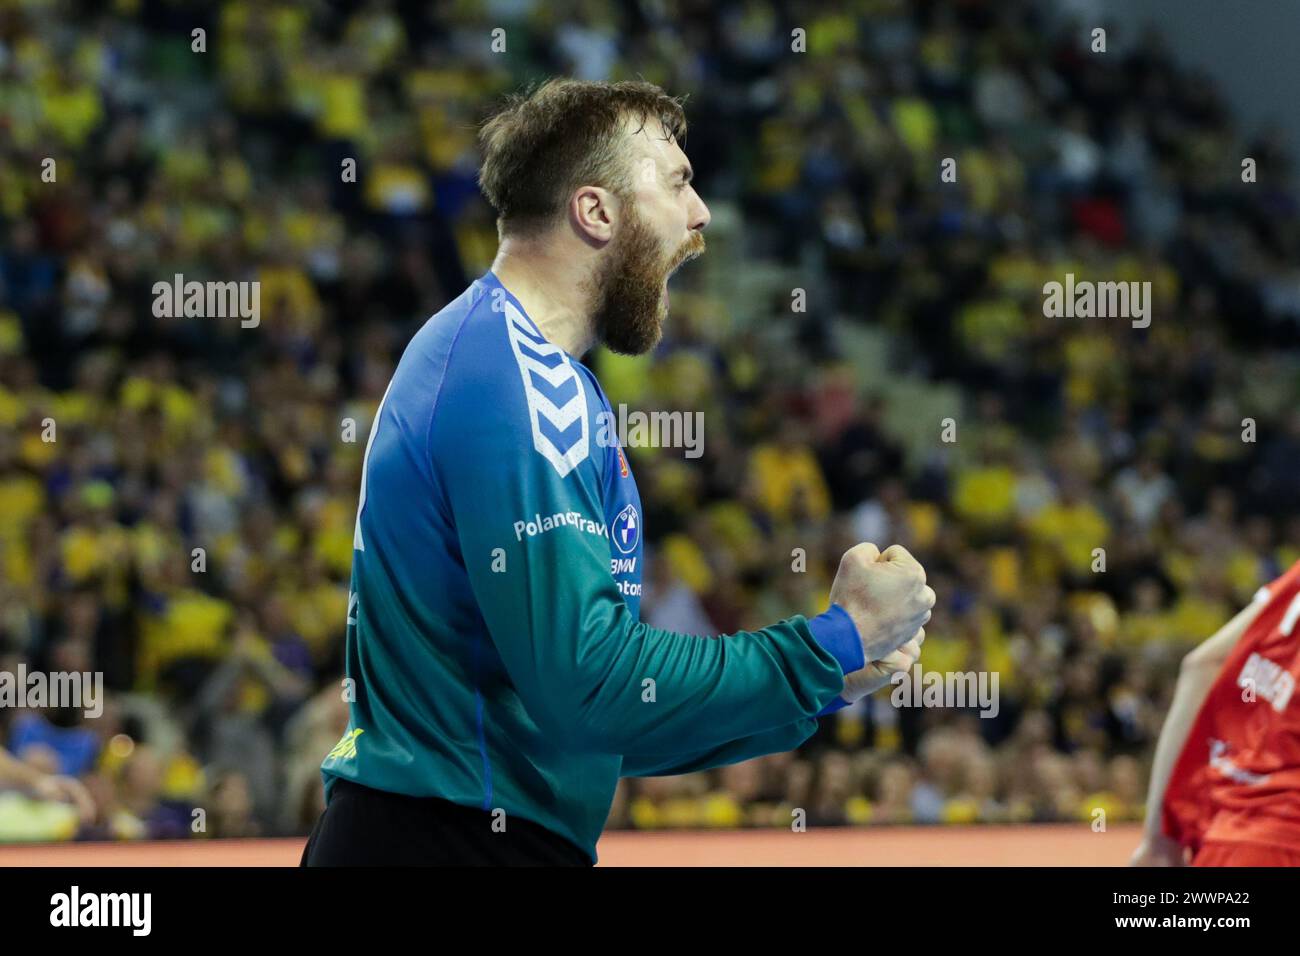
(1195, 678)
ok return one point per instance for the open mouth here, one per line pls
(672, 271)
(667, 278)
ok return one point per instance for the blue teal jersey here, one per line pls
(495, 652)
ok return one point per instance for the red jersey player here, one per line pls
(1225, 786)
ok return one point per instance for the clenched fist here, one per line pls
(886, 596)
(877, 674)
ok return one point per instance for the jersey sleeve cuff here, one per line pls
(838, 635)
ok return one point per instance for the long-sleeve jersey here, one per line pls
(494, 649)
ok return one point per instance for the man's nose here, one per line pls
(700, 216)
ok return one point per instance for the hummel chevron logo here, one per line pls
(529, 334)
(554, 360)
(557, 405)
(559, 397)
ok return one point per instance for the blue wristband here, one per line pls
(836, 632)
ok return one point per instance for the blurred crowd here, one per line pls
(177, 495)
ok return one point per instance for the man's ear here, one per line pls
(593, 212)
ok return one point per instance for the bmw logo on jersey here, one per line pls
(623, 508)
(626, 530)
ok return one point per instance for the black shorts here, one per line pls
(366, 827)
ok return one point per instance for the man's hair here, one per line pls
(546, 142)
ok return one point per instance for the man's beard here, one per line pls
(630, 308)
